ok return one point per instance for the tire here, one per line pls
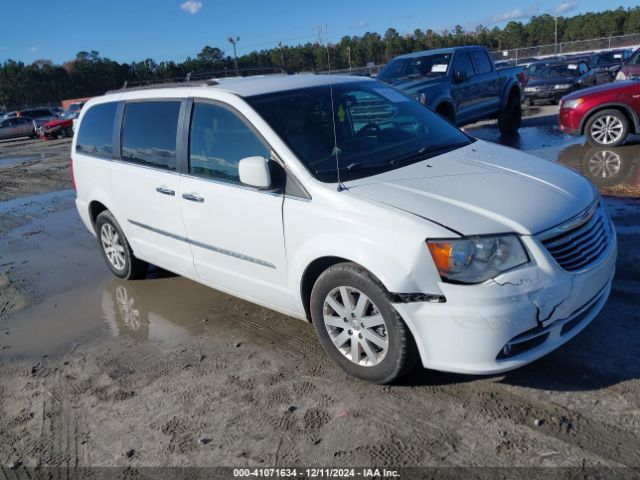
(121, 262)
(391, 353)
(510, 118)
(607, 128)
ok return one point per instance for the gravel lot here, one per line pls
(165, 372)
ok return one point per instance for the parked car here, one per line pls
(556, 80)
(607, 64)
(534, 68)
(630, 70)
(13, 127)
(606, 114)
(59, 128)
(345, 202)
(40, 115)
(461, 84)
(9, 115)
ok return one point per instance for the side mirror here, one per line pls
(254, 171)
(459, 77)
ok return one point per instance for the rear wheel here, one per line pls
(607, 128)
(510, 118)
(358, 327)
(116, 249)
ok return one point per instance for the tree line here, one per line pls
(90, 74)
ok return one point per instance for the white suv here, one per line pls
(344, 202)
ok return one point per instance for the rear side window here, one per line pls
(96, 130)
(481, 61)
(149, 133)
(219, 139)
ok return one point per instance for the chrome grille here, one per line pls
(580, 242)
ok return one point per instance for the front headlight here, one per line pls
(476, 259)
(563, 86)
(621, 76)
(572, 103)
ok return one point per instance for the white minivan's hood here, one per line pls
(481, 189)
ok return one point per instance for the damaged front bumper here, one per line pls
(511, 320)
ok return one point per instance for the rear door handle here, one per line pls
(192, 198)
(166, 191)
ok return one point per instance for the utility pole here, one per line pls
(233, 42)
(281, 56)
(555, 48)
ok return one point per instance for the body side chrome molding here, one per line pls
(213, 248)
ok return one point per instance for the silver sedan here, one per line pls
(17, 127)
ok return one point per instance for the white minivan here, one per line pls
(341, 201)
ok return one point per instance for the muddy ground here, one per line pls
(164, 372)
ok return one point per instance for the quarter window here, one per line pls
(96, 130)
(218, 140)
(149, 133)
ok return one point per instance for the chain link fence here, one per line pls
(563, 48)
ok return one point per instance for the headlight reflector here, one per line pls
(563, 86)
(476, 259)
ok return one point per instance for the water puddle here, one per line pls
(14, 160)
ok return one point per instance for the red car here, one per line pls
(60, 128)
(606, 115)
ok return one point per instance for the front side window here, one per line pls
(96, 130)
(377, 128)
(149, 133)
(462, 63)
(218, 140)
(481, 61)
(635, 58)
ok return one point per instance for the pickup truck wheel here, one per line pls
(607, 128)
(510, 118)
(116, 249)
(358, 327)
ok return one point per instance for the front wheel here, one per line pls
(116, 249)
(358, 327)
(607, 128)
(510, 118)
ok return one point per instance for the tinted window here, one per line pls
(149, 133)
(96, 130)
(22, 120)
(481, 61)
(219, 139)
(635, 58)
(377, 128)
(462, 63)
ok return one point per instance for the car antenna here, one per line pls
(322, 36)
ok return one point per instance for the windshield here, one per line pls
(569, 70)
(377, 128)
(433, 66)
(606, 59)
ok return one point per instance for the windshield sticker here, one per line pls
(391, 95)
(572, 66)
(341, 113)
(617, 55)
(439, 68)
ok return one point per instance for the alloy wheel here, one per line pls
(355, 326)
(607, 129)
(112, 246)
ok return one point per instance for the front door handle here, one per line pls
(192, 198)
(166, 191)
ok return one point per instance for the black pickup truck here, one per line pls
(462, 84)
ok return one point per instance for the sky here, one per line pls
(128, 30)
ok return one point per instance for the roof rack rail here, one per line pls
(204, 78)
